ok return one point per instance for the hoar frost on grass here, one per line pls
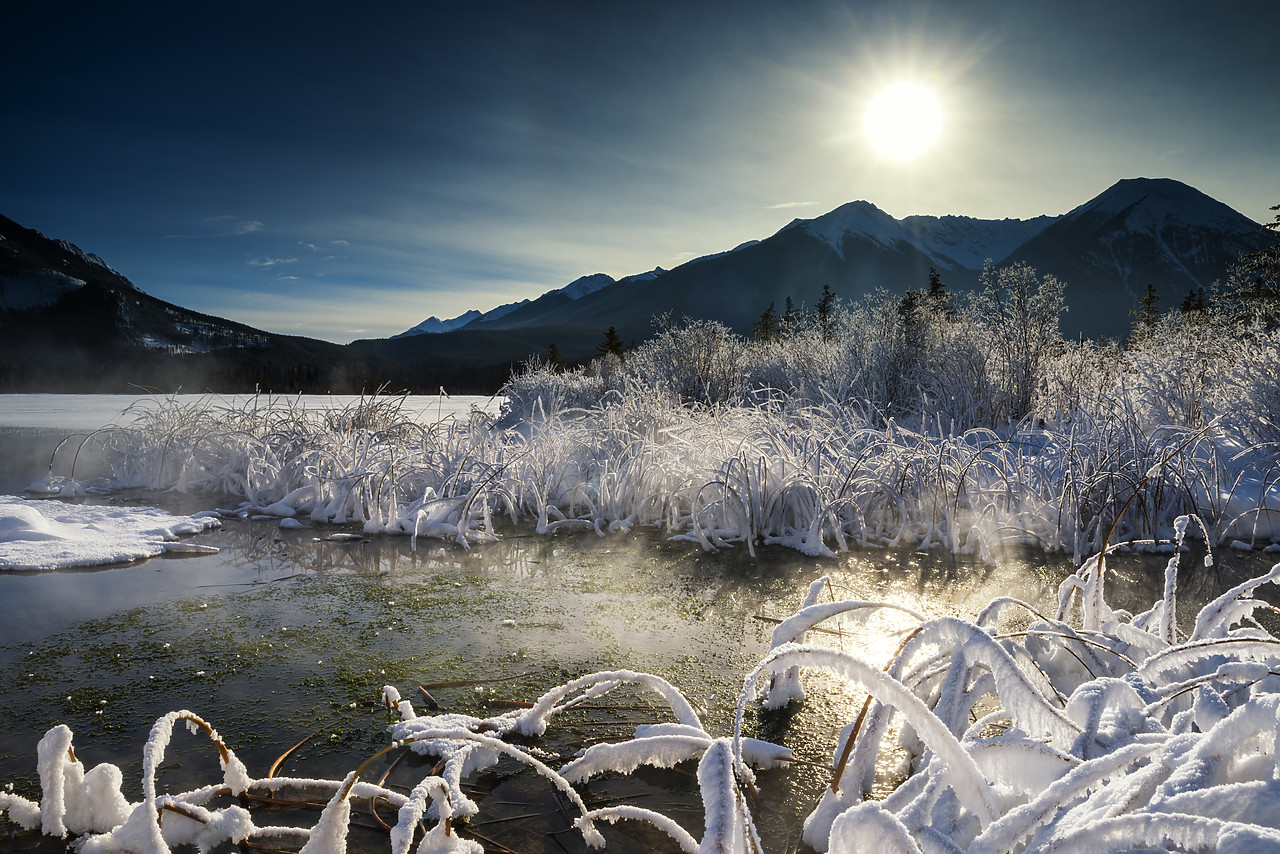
(816, 478)
(1098, 731)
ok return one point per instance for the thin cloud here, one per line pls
(270, 262)
(340, 242)
(785, 205)
(236, 228)
(307, 245)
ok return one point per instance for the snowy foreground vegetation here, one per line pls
(1085, 730)
(894, 423)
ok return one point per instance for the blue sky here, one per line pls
(343, 171)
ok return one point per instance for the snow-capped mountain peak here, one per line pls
(579, 288)
(575, 290)
(1147, 204)
(434, 325)
(955, 242)
(857, 219)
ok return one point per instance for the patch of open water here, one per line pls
(285, 636)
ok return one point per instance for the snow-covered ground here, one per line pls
(54, 535)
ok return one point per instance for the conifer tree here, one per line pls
(939, 297)
(1146, 315)
(790, 324)
(766, 328)
(554, 360)
(909, 307)
(1193, 301)
(612, 344)
(824, 312)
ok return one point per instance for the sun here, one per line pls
(903, 120)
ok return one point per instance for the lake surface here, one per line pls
(287, 634)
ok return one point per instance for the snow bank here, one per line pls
(54, 535)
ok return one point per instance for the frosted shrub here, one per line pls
(694, 361)
(1016, 315)
(812, 366)
(1079, 378)
(540, 389)
(1247, 394)
(1173, 374)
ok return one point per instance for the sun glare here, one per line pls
(903, 120)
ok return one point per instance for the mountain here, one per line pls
(965, 243)
(434, 325)
(70, 322)
(35, 271)
(1140, 230)
(576, 289)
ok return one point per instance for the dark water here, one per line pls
(26, 454)
(285, 636)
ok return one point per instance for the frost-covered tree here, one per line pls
(1266, 261)
(1249, 299)
(1017, 314)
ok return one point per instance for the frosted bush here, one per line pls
(540, 389)
(1082, 378)
(1246, 397)
(693, 361)
(817, 478)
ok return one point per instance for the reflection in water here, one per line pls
(287, 634)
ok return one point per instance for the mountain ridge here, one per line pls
(69, 321)
(1139, 230)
